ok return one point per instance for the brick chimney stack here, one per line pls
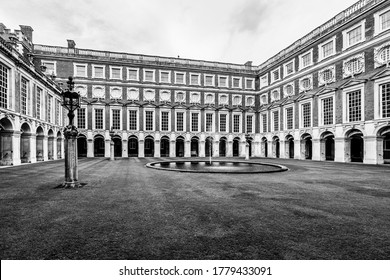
(71, 44)
(27, 31)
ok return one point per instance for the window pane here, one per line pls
(385, 20)
(355, 35)
(209, 122)
(179, 78)
(149, 120)
(289, 118)
(81, 71)
(81, 118)
(194, 125)
(99, 118)
(164, 121)
(116, 73)
(149, 76)
(133, 74)
(3, 86)
(327, 109)
(276, 120)
(236, 123)
(385, 89)
(179, 121)
(249, 121)
(354, 106)
(116, 119)
(133, 120)
(99, 72)
(327, 49)
(306, 114)
(222, 123)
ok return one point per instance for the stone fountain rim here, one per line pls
(280, 168)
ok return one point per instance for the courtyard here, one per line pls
(316, 210)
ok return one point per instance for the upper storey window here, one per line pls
(195, 79)
(275, 75)
(236, 82)
(354, 35)
(327, 48)
(115, 73)
(264, 81)
(289, 68)
(382, 21)
(180, 78)
(223, 81)
(98, 71)
(80, 70)
(51, 68)
(132, 74)
(149, 75)
(209, 80)
(306, 59)
(249, 83)
(165, 76)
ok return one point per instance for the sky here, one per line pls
(234, 31)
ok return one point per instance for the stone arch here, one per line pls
(59, 145)
(276, 146)
(236, 146)
(98, 146)
(327, 146)
(82, 145)
(289, 146)
(306, 146)
(222, 146)
(50, 144)
(180, 146)
(117, 139)
(383, 144)
(264, 146)
(6, 150)
(354, 145)
(25, 143)
(149, 146)
(132, 146)
(194, 146)
(164, 146)
(39, 143)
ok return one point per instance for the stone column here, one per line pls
(187, 148)
(16, 148)
(371, 150)
(379, 148)
(297, 149)
(172, 148)
(202, 152)
(242, 151)
(55, 148)
(339, 150)
(316, 149)
(112, 155)
(90, 148)
(229, 148)
(107, 148)
(246, 151)
(71, 165)
(215, 148)
(157, 151)
(141, 148)
(282, 149)
(45, 148)
(33, 148)
(124, 148)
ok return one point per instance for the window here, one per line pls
(222, 122)
(3, 86)
(382, 21)
(51, 68)
(249, 123)
(236, 123)
(149, 75)
(222, 81)
(81, 118)
(98, 71)
(164, 121)
(23, 96)
(354, 35)
(289, 118)
(39, 100)
(264, 122)
(194, 79)
(209, 122)
(275, 75)
(275, 115)
(179, 121)
(327, 48)
(132, 74)
(236, 82)
(385, 100)
(132, 119)
(80, 70)
(327, 110)
(306, 59)
(57, 120)
(49, 108)
(116, 119)
(289, 68)
(165, 77)
(194, 121)
(149, 120)
(249, 83)
(264, 81)
(98, 118)
(209, 80)
(116, 73)
(180, 78)
(306, 115)
(354, 101)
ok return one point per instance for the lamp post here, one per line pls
(112, 133)
(71, 101)
(248, 139)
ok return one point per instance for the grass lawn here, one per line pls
(316, 210)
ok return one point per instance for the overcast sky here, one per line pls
(218, 30)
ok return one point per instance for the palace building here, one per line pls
(325, 97)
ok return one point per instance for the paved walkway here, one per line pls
(317, 210)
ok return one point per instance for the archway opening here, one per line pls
(164, 146)
(81, 146)
(180, 146)
(50, 144)
(132, 146)
(386, 148)
(329, 147)
(25, 138)
(59, 146)
(276, 143)
(149, 146)
(236, 147)
(98, 146)
(222, 146)
(209, 146)
(194, 146)
(290, 146)
(117, 146)
(307, 146)
(6, 131)
(39, 143)
(264, 146)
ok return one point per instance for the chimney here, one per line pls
(71, 44)
(2, 27)
(27, 31)
(248, 64)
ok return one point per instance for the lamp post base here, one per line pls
(71, 168)
(71, 185)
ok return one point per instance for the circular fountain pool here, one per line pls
(204, 166)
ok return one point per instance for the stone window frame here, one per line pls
(128, 76)
(321, 108)
(285, 74)
(345, 33)
(75, 65)
(321, 46)
(94, 66)
(377, 21)
(120, 72)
